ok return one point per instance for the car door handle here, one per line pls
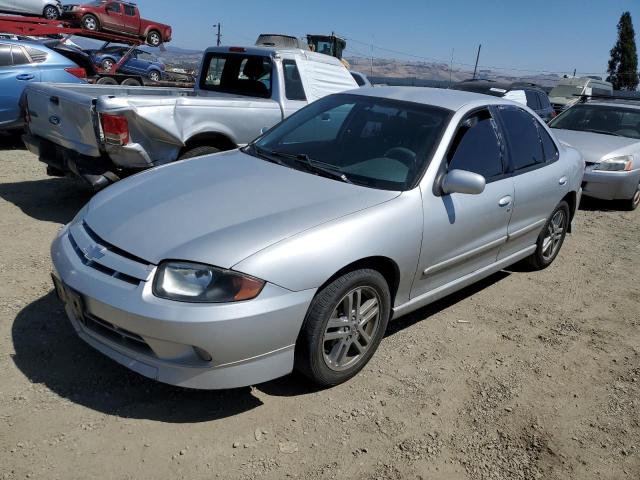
(562, 181)
(25, 76)
(505, 201)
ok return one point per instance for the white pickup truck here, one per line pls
(104, 133)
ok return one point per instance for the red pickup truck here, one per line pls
(118, 17)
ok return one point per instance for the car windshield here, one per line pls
(237, 73)
(566, 91)
(603, 119)
(369, 141)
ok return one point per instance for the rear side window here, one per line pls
(359, 80)
(549, 148)
(238, 74)
(37, 56)
(129, 11)
(522, 135)
(544, 100)
(476, 147)
(19, 57)
(5, 55)
(294, 90)
(532, 100)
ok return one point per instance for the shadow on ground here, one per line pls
(52, 200)
(49, 352)
(589, 204)
(11, 141)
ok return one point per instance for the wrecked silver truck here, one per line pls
(104, 133)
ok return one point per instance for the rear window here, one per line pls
(533, 101)
(239, 74)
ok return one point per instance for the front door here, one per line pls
(112, 19)
(464, 233)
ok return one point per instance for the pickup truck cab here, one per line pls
(104, 133)
(118, 17)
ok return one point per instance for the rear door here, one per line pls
(112, 19)
(16, 72)
(539, 179)
(464, 233)
(130, 20)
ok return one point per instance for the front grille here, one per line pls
(116, 334)
(106, 258)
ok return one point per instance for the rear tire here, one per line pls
(154, 38)
(51, 13)
(198, 152)
(90, 22)
(131, 82)
(106, 81)
(334, 344)
(107, 64)
(633, 202)
(551, 238)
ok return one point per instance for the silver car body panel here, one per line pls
(595, 148)
(32, 7)
(294, 230)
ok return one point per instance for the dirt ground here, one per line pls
(524, 376)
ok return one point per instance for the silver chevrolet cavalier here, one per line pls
(607, 132)
(295, 251)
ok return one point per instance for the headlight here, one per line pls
(195, 282)
(616, 164)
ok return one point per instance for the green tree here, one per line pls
(623, 66)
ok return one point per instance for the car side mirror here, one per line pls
(462, 181)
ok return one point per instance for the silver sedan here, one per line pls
(607, 132)
(297, 250)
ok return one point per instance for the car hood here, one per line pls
(219, 209)
(595, 146)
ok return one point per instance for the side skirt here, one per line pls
(462, 282)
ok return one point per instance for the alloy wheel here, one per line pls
(51, 13)
(154, 39)
(635, 201)
(351, 328)
(554, 235)
(155, 76)
(90, 23)
(107, 65)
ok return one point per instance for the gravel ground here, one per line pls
(523, 376)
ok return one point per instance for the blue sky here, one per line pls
(545, 35)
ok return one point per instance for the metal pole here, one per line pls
(372, 59)
(477, 58)
(451, 66)
(218, 35)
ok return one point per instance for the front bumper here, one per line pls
(249, 342)
(610, 185)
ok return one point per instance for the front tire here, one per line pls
(551, 238)
(90, 22)
(155, 76)
(51, 13)
(345, 323)
(633, 202)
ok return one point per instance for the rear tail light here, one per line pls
(77, 72)
(115, 128)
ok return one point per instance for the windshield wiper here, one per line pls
(603, 132)
(312, 165)
(265, 154)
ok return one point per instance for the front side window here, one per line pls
(113, 8)
(294, 90)
(238, 74)
(374, 142)
(602, 119)
(476, 147)
(523, 138)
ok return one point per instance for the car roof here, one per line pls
(271, 51)
(437, 97)
(489, 84)
(26, 43)
(619, 102)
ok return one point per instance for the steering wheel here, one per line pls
(404, 155)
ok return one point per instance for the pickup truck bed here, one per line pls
(66, 123)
